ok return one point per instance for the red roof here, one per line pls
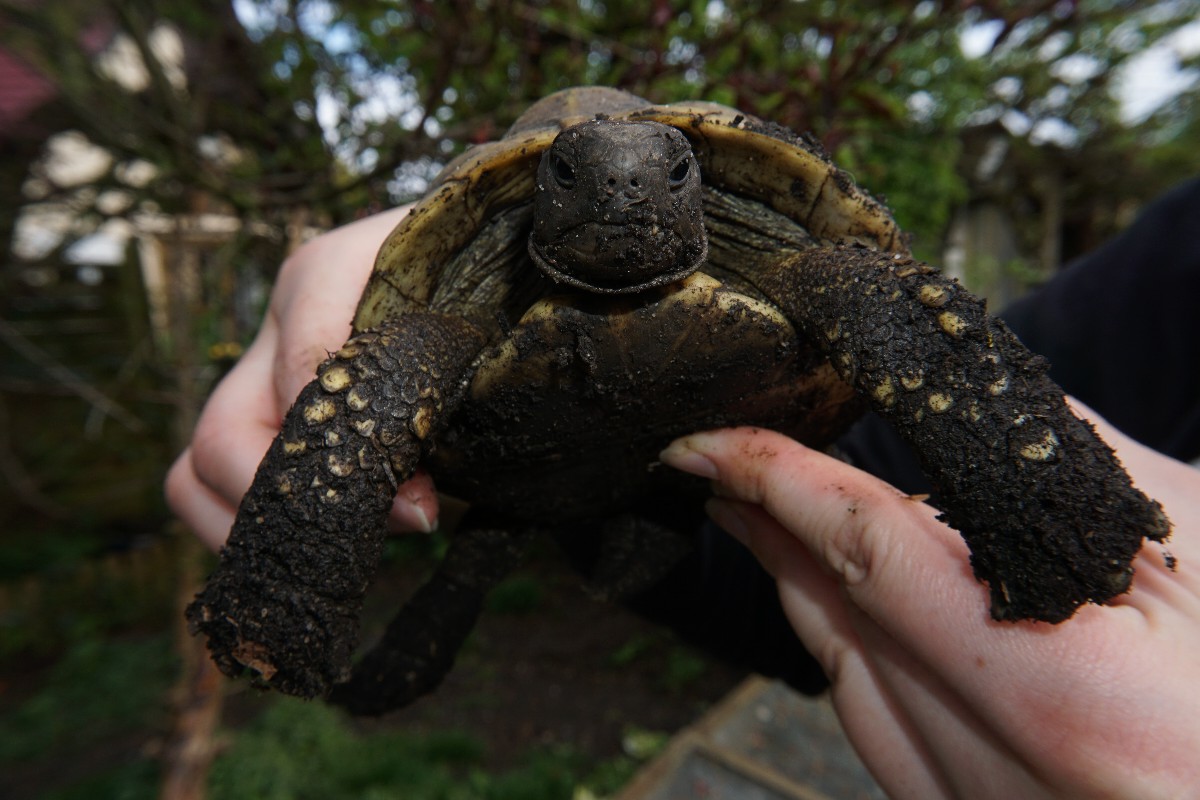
(22, 91)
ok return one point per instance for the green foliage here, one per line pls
(302, 750)
(643, 744)
(102, 690)
(684, 665)
(416, 548)
(517, 594)
(299, 750)
(680, 665)
(98, 690)
(21, 556)
(82, 598)
(347, 92)
(919, 182)
(135, 780)
(632, 650)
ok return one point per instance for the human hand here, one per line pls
(939, 699)
(309, 316)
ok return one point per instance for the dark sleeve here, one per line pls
(1121, 329)
(1121, 326)
(721, 600)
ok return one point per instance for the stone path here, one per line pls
(762, 742)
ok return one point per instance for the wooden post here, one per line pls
(197, 697)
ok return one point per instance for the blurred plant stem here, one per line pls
(197, 697)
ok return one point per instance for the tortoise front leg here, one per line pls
(1050, 516)
(285, 599)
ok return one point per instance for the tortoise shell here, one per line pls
(462, 247)
(539, 435)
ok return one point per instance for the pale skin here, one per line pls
(308, 317)
(938, 699)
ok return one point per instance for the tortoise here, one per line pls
(563, 303)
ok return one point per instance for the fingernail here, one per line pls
(685, 459)
(422, 520)
(408, 516)
(728, 518)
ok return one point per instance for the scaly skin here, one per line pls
(1049, 514)
(285, 599)
(422, 641)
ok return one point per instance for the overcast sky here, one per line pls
(1153, 77)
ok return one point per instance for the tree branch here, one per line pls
(67, 377)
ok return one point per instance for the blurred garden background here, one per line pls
(160, 158)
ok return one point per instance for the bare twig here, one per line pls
(19, 481)
(66, 377)
(197, 697)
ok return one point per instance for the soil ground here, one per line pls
(548, 664)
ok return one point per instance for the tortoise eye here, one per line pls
(564, 173)
(679, 173)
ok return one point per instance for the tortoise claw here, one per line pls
(285, 599)
(1048, 512)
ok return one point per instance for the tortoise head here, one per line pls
(617, 207)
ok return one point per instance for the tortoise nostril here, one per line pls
(633, 185)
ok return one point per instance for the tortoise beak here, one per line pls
(614, 259)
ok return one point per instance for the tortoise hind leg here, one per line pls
(284, 600)
(624, 555)
(1050, 516)
(421, 642)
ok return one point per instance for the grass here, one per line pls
(83, 728)
(91, 723)
(516, 595)
(98, 690)
(85, 599)
(681, 665)
(297, 751)
(684, 666)
(105, 690)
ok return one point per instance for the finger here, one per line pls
(903, 568)
(316, 294)
(877, 723)
(887, 548)
(416, 505)
(933, 717)
(205, 512)
(909, 575)
(1165, 583)
(238, 423)
(810, 596)
(893, 707)
(311, 307)
(816, 607)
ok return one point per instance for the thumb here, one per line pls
(415, 507)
